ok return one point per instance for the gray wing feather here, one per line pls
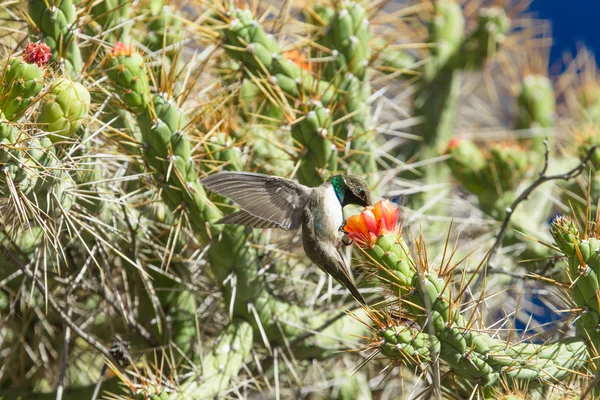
(276, 201)
(244, 218)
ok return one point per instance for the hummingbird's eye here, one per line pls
(362, 193)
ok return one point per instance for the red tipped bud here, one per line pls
(122, 49)
(454, 142)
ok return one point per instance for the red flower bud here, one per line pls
(37, 53)
(454, 142)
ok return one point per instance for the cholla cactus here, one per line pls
(54, 22)
(117, 279)
(441, 330)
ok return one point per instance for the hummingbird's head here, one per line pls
(351, 189)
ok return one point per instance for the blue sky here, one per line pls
(573, 22)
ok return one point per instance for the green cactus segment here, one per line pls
(420, 291)
(65, 107)
(536, 103)
(471, 355)
(446, 30)
(126, 69)
(466, 163)
(407, 344)
(396, 265)
(355, 101)
(46, 176)
(507, 167)
(22, 82)
(25, 241)
(8, 138)
(105, 13)
(486, 39)
(165, 27)
(182, 310)
(34, 170)
(319, 153)
(261, 56)
(479, 357)
(110, 16)
(167, 149)
(221, 153)
(248, 43)
(167, 152)
(46, 164)
(536, 108)
(436, 97)
(13, 162)
(589, 141)
(55, 21)
(583, 256)
(347, 36)
(269, 147)
(349, 40)
(494, 177)
(223, 362)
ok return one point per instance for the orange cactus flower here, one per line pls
(372, 223)
(298, 58)
(121, 49)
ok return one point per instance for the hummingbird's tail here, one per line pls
(354, 290)
(342, 277)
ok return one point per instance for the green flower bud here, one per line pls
(565, 234)
(65, 106)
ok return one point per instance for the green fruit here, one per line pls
(65, 106)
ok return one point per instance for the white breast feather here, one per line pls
(333, 218)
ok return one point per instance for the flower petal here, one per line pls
(369, 219)
(388, 212)
(355, 224)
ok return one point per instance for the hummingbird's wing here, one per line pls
(266, 201)
(245, 218)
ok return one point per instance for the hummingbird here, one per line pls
(275, 202)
